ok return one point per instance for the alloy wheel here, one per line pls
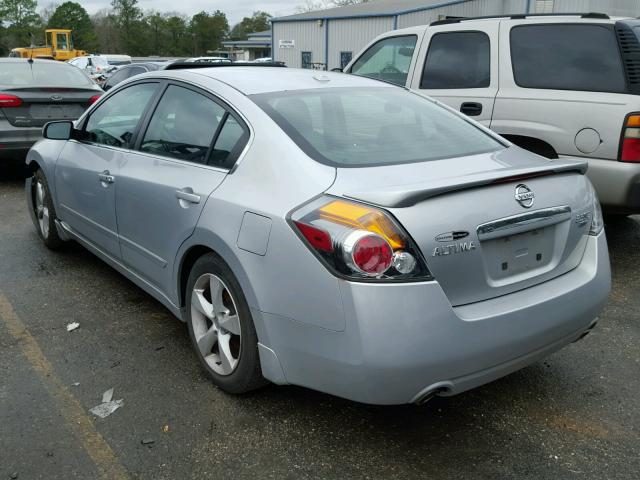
(216, 324)
(42, 211)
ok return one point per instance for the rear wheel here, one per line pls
(45, 212)
(221, 327)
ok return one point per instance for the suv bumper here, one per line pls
(405, 341)
(617, 184)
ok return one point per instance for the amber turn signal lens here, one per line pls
(362, 217)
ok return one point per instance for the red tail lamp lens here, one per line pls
(317, 237)
(368, 253)
(630, 150)
(94, 99)
(7, 101)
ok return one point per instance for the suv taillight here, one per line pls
(630, 141)
(7, 101)
(359, 242)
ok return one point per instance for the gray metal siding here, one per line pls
(352, 35)
(308, 37)
(476, 8)
(616, 8)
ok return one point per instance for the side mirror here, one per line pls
(337, 69)
(58, 130)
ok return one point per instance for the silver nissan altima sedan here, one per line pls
(327, 230)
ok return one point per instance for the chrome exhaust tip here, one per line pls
(439, 389)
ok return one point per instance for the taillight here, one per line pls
(358, 241)
(8, 101)
(94, 99)
(630, 142)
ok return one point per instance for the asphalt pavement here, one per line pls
(574, 415)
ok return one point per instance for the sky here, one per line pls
(234, 9)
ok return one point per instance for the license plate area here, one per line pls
(516, 257)
(55, 112)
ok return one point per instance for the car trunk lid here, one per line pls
(41, 105)
(478, 239)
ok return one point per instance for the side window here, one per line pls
(567, 57)
(345, 58)
(114, 122)
(61, 41)
(229, 143)
(183, 125)
(136, 71)
(457, 60)
(388, 60)
(119, 76)
(306, 59)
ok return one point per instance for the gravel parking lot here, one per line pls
(574, 415)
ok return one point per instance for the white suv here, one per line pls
(558, 85)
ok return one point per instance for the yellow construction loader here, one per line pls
(58, 46)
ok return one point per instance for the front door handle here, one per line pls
(186, 195)
(106, 178)
(471, 109)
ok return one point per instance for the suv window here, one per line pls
(388, 60)
(183, 125)
(457, 60)
(567, 57)
(114, 122)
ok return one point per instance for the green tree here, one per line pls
(21, 21)
(258, 22)
(73, 16)
(179, 38)
(127, 17)
(208, 31)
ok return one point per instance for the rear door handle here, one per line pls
(106, 178)
(187, 195)
(471, 109)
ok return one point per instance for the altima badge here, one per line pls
(451, 236)
(524, 196)
(453, 249)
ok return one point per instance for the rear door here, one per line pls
(86, 172)
(190, 142)
(458, 65)
(563, 83)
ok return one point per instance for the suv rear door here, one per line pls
(562, 82)
(458, 65)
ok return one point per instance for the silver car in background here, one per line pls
(34, 92)
(326, 230)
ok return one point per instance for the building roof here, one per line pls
(266, 33)
(376, 8)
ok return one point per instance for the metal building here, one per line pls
(327, 39)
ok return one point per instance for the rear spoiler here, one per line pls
(407, 195)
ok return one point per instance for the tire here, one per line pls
(238, 370)
(45, 212)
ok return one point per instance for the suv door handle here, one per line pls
(187, 195)
(106, 178)
(471, 109)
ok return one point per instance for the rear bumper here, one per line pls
(14, 141)
(404, 341)
(617, 184)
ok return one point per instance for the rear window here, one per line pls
(42, 74)
(567, 57)
(363, 127)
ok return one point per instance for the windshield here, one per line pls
(99, 61)
(42, 74)
(348, 127)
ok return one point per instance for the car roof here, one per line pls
(532, 18)
(254, 80)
